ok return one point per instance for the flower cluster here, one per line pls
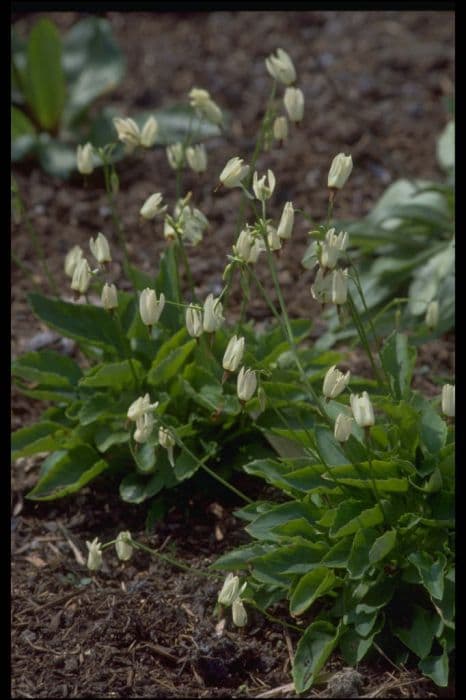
(281, 68)
(132, 136)
(230, 595)
(77, 267)
(141, 412)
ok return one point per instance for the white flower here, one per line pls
(432, 314)
(248, 247)
(152, 206)
(448, 400)
(233, 354)
(285, 226)
(72, 259)
(94, 558)
(150, 307)
(238, 613)
(149, 132)
(263, 190)
(128, 131)
(362, 409)
(100, 249)
(335, 382)
(123, 546)
(229, 590)
(331, 248)
(194, 321)
(141, 406)
(294, 103)
(246, 384)
(84, 159)
(213, 318)
(81, 276)
(167, 441)
(280, 129)
(273, 239)
(197, 158)
(175, 155)
(204, 105)
(339, 286)
(321, 290)
(343, 425)
(281, 67)
(340, 170)
(144, 427)
(234, 172)
(109, 297)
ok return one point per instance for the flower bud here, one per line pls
(234, 172)
(72, 259)
(432, 314)
(233, 354)
(343, 425)
(109, 297)
(280, 129)
(281, 67)
(100, 249)
(140, 406)
(167, 441)
(339, 286)
(81, 276)
(84, 159)
(331, 248)
(123, 546)
(340, 170)
(229, 590)
(152, 206)
(144, 427)
(94, 558)
(238, 613)
(248, 247)
(285, 226)
(273, 239)
(204, 105)
(362, 409)
(294, 103)
(335, 382)
(262, 190)
(448, 400)
(150, 307)
(213, 318)
(175, 155)
(128, 131)
(246, 384)
(321, 290)
(197, 158)
(194, 321)
(149, 132)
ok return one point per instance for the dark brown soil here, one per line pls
(374, 85)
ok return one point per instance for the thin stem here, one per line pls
(125, 345)
(362, 334)
(173, 561)
(108, 168)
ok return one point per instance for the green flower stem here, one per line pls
(374, 485)
(126, 344)
(187, 267)
(108, 169)
(270, 617)
(365, 343)
(26, 271)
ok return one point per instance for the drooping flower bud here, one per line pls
(81, 276)
(175, 155)
(167, 441)
(234, 172)
(285, 226)
(339, 172)
(109, 297)
(248, 247)
(339, 286)
(229, 591)
(280, 129)
(362, 409)
(281, 67)
(331, 248)
(321, 290)
(152, 206)
(94, 557)
(123, 546)
(128, 131)
(263, 190)
(100, 249)
(194, 321)
(149, 132)
(343, 426)
(238, 613)
(144, 427)
(335, 382)
(294, 103)
(141, 406)
(213, 318)
(273, 239)
(72, 259)
(448, 400)
(84, 159)
(150, 307)
(246, 384)
(233, 354)
(204, 105)
(197, 158)
(432, 314)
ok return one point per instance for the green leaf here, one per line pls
(382, 546)
(145, 458)
(167, 282)
(420, 635)
(21, 125)
(330, 448)
(106, 437)
(45, 82)
(239, 558)
(281, 564)
(40, 437)
(102, 406)
(337, 556)
(47, 368)
(185, 466)
(113, 375)
(398, 360)
(69, 471)
(436, 668)
(433, 430)
(431, 571)
(313, 650)
(85, 323)
(262, 526)
(355, 646)
(163, 371)
(56, 158)
(311, 586)
(352, 516)
(358, 561)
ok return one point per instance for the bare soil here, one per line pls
(374, 86)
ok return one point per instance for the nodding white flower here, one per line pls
(167, 441)
(175, 155)
(213, 317)
(273, 239)
(238, 613)
(204, 105)
(141, 406)
(194, 321)
(321, 290)
(94, 557)
(144, 427)
(84, 159)
(100, 249)
(335, 382)
(128, 131)
(285, 226)
(448, 400)
(339, 286)
(362, 409)
(150, 307)
(263, 190)
(197, 158)
(109, 297)
(123, 546)
(152, 206)
(343, 425)
(192, 223)
(281, 67)
(248, 247)
(294, 103)
(339, 172)
(72, 259)
(233, 354)
(432, 314)
(246, 384)
(81, 276)
(234, 172)
(229, 591)
(149, 132)
(331, 248)
(280, 129)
